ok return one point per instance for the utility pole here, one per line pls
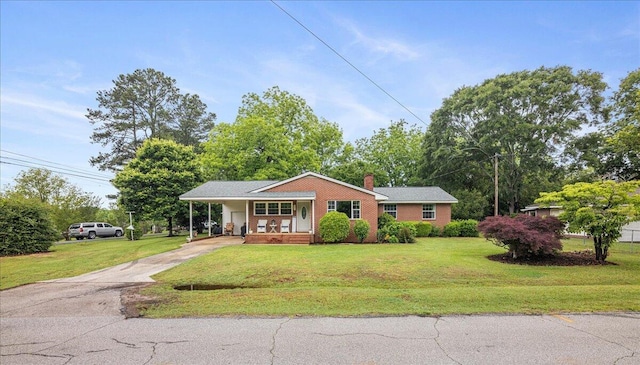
(495, 183)
(131, 224)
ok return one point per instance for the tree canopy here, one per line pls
(525, 118)
(67, 203)
(600, 209)
(152, 182)
(394, 150)
(613, 151)
(142, 105)
(275, 136)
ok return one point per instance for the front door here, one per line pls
(303, 217)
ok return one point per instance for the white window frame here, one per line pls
(332, 206)
(266, 208)
(386, 208)
(426, 211)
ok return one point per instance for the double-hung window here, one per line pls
(349, 207)
(392, 209)
(428, 211)
(273, 208)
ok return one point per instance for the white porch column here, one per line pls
(190, 219)
(246, 219)
(209, 220)
(313, 217)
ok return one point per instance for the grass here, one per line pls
(435, 276)
(79, 257)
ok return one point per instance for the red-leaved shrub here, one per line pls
(524, 235)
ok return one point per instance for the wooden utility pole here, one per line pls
(495, 183)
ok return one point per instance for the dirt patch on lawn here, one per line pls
(576, 258)
(132, 301)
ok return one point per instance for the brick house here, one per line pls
(289, 211)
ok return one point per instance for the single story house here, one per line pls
(289, 211)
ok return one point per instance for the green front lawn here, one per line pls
(79, 257)
(435, 276)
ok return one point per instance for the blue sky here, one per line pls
(55, 56)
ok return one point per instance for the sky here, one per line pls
(55, 56)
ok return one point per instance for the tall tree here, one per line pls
(524, 117)
(275, 136)
(599, 209)
(613, 151)
(350, 168)
(395, 151)
(625, 142)
(142, 105)
(67, 202)
(152, 182)
(191, 123)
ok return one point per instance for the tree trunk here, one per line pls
(170, 221)
(597, 245)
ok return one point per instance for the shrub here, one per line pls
(423, 229)
(25, 227)
(524, 235)
(435, 232)
(468, 228)
(452, 229)
(361, 229)
(334, 227)
(404, 232)
(382, 235)
(137, 232)
(385, 229)
(384, 220)
(405, 235)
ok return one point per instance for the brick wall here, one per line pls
(413, 212)
(327, 190)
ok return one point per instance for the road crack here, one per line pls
(633, 354)
(370, 334)
(273, 340)
(631, 351)
(154, 347)
(436, 339)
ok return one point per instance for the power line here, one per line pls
(349, 63)
(54, 171)
(59, 169)
(48, 163)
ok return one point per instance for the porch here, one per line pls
(275, 238)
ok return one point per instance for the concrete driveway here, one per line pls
(79, 321)
(98, 292)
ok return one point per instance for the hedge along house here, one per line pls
(289, 211)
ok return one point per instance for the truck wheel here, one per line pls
(118, 233)
(92, 235)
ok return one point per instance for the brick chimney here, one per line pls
(368, 182)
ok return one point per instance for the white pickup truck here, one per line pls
(92, 230)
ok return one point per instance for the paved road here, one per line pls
(78, 321)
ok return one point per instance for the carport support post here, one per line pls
(190, 220)
(209, 221)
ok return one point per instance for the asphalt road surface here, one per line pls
(79, 321)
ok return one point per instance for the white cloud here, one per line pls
(382, 45)
(36, 103)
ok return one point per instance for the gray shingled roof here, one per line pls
(220, 190)
(418, 194)
(225, 189)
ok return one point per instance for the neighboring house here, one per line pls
(303, 200)
(537, 211)
(628, 233)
